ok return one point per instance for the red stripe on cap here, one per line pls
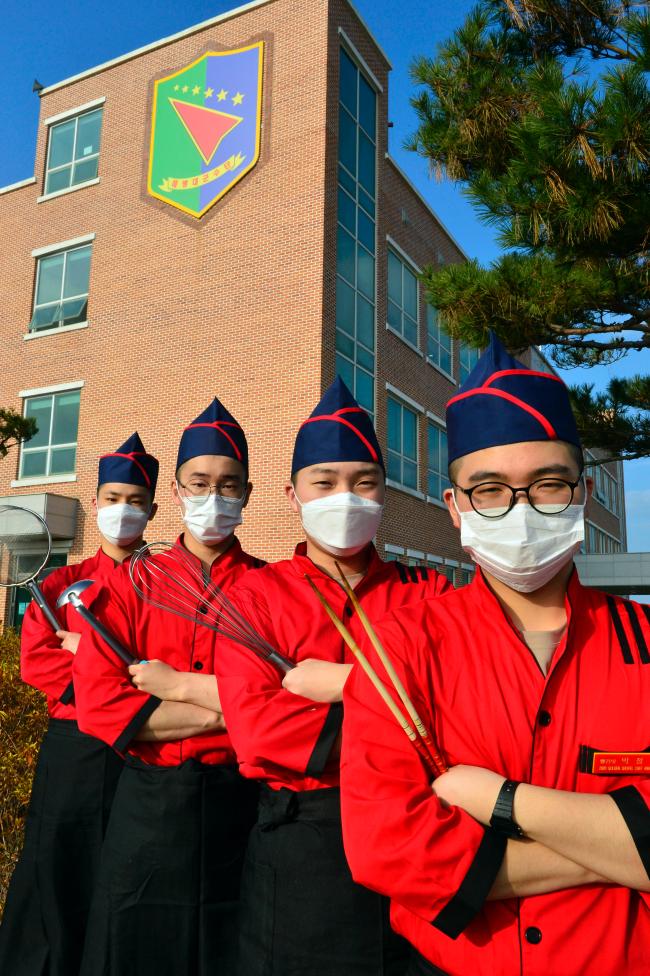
(521, 372)
(131, 457)
(337, 418)
(483, 391)
(217, 425)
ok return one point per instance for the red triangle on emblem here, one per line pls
(205, 126)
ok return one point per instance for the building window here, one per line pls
(402, 444)
(468, 360)
(402, 299)
(606, 487)
(437, 480)
(73, 151)
(61, 293)
(598, 541)
(356, 236)
(439, 352)
(53, 449)
(29, 563)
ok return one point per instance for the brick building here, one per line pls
(122, 312)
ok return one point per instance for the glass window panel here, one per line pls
(433, 485)
(433, 447)
(66, 417)
(394, 467)
(348, 82)
(394, 425)
(347, 181)
(411, 331)
(394, 278)
(88, 129)
(365, 391)
(445, 360)
(59, 180)
(347, 141)
(61, 144)
(367, 106)
(394, 317)
(365, 358)
(74, 310)
(365, 323)
(50, 274)
(45, 317)
(41, 409)
(344, 306)
(345, 370)
(366, 202)
(347, 211)
(62, 460)
(410, 474)
(77, 272)
(410, 294)
(367, 154)
(34, 464)
(344, 344)
(345, 255)
(85, 170)
(444, 458)
(409, 433)
(366, 232)
(365, 272)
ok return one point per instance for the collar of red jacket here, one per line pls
(223, 562)
(304, 564)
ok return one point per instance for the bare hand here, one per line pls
(156, 678)
(321, 681)
(472, 788)
(69, 640)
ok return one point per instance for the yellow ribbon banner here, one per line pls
(172, 183)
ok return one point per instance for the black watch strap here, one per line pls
(502, 819)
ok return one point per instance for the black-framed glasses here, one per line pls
(199, 488)
(549, 496)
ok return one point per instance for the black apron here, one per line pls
(302, 914)
(166, 900)
(44, 922)
(422, 967)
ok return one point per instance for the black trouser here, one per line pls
(422, 967)
(302, 914)
(166, 900)
(45, 915)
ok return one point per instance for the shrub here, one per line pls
(23, 720)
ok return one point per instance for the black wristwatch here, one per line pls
(502, 819)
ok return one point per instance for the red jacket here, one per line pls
(44, 664)
(109, 706)
(479, 688)
(280, 737)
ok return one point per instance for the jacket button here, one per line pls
(544, 718)
(533, 935)
(198, 666)
(348, 611)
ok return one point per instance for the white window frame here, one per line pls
(47, 479)
(52, 122)
(441, 427)
(416, 408)
(65, 248)
(412, 267)
(436, 365)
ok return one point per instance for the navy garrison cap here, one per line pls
(504, 402)
(337, 430)
(130, 465)
(215, 431)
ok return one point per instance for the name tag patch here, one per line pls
(614, 763)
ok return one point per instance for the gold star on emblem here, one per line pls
(222, 94)
(176, 87)
(196, 89)
(238, 99)
(185, 88)
(209, 92)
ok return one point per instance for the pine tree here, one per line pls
(540, 110)
(14, 429)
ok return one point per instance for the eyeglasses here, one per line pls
(549, 496)
(199, 488)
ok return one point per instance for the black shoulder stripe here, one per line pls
(424, 574)
(620, 630)
(401, 569)
(638, 633)
(258, 563)
(413, 573)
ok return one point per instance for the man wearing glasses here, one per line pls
(531, 855)
(166, 897)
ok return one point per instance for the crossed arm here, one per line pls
(190, 702)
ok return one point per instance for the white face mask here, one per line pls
(524, 549)
(212, 518)
(341, 524)
(122, 523)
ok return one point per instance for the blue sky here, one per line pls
(51, 41)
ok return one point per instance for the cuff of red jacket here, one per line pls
(67, 695)
(475, 886)
(125, 737)
(325, 742)
(636, 814)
